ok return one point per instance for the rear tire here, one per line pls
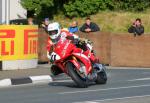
(101, 77)
(81, 82)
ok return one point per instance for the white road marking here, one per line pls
(5, 82)
(127, 68)
(98, 101)
(107, 89)
(87, 102)
(140, 79)
(41, 78)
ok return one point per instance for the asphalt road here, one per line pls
(123, 86)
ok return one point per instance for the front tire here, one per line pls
(81, 82)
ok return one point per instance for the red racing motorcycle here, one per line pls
(77, 63)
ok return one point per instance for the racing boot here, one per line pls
(55, 70)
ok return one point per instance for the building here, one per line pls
(11, 9)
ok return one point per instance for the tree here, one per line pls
(86, 7)
(74, 8)
(134, 5)
(36, 5)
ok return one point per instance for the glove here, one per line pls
(70, 37)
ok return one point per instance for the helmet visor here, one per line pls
(53, 32)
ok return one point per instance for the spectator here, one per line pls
(45, 23)
(89, 26)
(73, 27)
(30, 21)
(136, 28)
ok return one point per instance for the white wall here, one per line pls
(15, 64)
(16, 11)
(2, 13)
(0, 10)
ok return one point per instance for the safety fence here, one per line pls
(113, 49)
(127, 50)
(22, 47)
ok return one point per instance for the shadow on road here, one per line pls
(69, 84)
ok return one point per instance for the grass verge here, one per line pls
(116, 22)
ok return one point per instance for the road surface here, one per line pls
(123, 86)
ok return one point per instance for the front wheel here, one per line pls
(81, 82)
(101, 77)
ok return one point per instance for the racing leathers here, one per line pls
(84, 46)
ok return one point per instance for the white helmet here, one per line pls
(54, 31)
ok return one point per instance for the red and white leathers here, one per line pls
(62, 37)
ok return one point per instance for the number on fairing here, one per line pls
(54, 56)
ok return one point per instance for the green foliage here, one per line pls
(82, 8)
(88, 7)
(36, 5)
(111, 21)
(134, 5)
(85, 7)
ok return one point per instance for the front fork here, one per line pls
(81, 69)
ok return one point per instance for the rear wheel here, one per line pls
(101, 77)
(81, 82)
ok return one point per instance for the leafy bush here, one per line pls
(85, 7)
(133, 5)
(36, 5)
(75, 8)
(88, 7)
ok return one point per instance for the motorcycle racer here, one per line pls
(56, 34)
